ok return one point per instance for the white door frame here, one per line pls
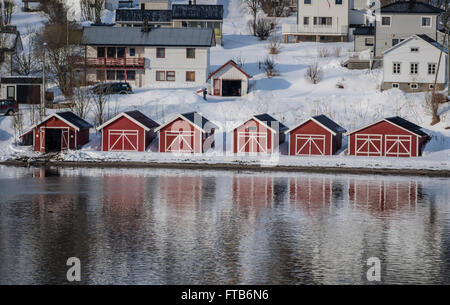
(123, 135)
(310, 139)
(368, 139)
(180, 137)
(253, 137)
(398, 139)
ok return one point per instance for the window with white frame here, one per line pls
(386, 21)
(395, 85)
(426, 22)
(431, 68)
(305, 20)
(413, 86)
(414, 49)
(414, 68)
(396, 68)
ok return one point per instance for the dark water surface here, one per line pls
(155, 226)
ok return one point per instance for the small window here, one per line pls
(120, 52)
(190, 53)
(394, 41)
(338, 2)
(307, 2)
(10, 92)
(385, 21)
(160, 76)
(305, 20)
(431, 86)
(111, 74)
(111, 52)
(426, 22)
(414, 49)
(414, 68)
(369, 41)
(190, 76)
(395, 85)
(120, 74)
(100, 52)
(413, 86)
(132, 52)
(131, 75)
(160, 52)
(396, 68)
(170, 76)
(251, 128)
(432, 69)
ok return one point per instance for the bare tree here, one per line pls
(98, 7)
(82, 101)
(253, 6)
(275, 8)
(27, 61)
(274, 46)
(263, 28)
(6, 10)
(99, 102)
(269, 67)
(17, 125)
(313, 74)
(86, 7)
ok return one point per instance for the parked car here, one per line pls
(113, 88)
(8, 106)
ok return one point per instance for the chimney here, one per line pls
(145, 28)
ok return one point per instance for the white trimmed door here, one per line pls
(123, 140)
(306, 145)
(398, 146)
(179, 141)
(368, 145)
(252, 142)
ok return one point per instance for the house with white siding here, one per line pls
(413, 64)
(173, 57)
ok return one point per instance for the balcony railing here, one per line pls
(332, 29)
(111, 62)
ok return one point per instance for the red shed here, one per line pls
(260, 134)
(128, 131)
(390, 137)
(60, 131)
(318, 135)
(187, 133)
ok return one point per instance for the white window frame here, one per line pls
(397, 85)
(414, 49)
(415, 84)
(428, 68)
(410, 68)
(426, 26)
(399, 68)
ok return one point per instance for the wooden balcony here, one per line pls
(138, 63)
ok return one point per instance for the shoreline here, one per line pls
(232, 167)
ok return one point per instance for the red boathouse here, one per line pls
(318, 135)
(260, 134)
(187, 133)
(390, 137)
(128, 131)
(60, 131)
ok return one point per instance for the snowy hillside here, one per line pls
(288, 97)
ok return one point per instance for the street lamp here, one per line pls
(43, 83)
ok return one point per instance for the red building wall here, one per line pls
(177, 126)
(384, 128)
(125, 124)
(312, 128)
(53, 122)
(259, 128)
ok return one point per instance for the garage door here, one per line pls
(29, 94)
(180, 141)
(309, 145)
(231, 87)
(252, 142)
(398, 146)
(123, 140)
(368, 145)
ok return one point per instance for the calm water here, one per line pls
(155, 226)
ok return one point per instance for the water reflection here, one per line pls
(213, 227)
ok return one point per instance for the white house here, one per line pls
(412, 64)
(165, 57)
(323, 20)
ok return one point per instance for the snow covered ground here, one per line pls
(288, 97)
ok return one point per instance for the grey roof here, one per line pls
(410, 7)
(268, 120)
(407, 125)
(133, 36)
(197, 12)
(74, 119)
(199, 120)
(134, 15)
(330, 124)
(364, 30)
(142, 118)
(432, 42)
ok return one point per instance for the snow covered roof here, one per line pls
(133, 36)
(68, 117)
(196, 119)
(410, 7)
(268, 120)
(137, 117)
(139, 15)
(197, 12)
(421, 36)
(230, 62)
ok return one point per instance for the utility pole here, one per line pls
(43, 84)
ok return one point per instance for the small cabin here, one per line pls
(59, 131)
(389, 137)
(187, 133)
(260, 134)
(318, 135)
(229, 80)
(128, 131)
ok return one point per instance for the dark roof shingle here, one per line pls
(199, 120)
(197, 12)
(404, 7)
(269, 120)
(364, 30)
(328, 123)
(139, 15)
(142, 118)
(407, 125)
(74, 119)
